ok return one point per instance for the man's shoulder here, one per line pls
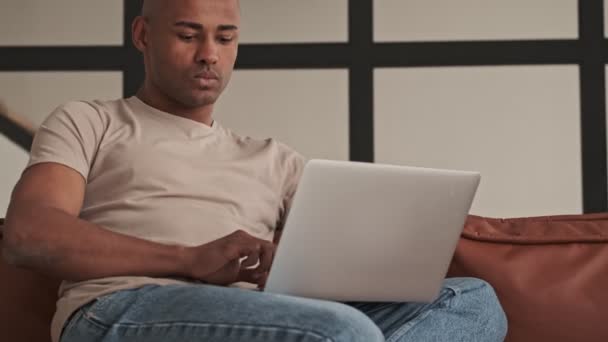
(88, 108)
(290, 153)
(292, 160)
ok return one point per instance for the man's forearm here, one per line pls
(53, 242)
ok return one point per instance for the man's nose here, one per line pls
(208, 52)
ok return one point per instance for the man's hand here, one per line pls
(231, 259)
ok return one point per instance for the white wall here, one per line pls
(306, 109)
(61, 22)
(493, 119)
(34, 95)
(444, 20)
(14, 159)
(294, 21)
(519, 126)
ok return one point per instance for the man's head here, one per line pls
(189, 48)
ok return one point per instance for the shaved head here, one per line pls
(147, 7)
(151, 7)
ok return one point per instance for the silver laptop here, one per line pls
(371, 232)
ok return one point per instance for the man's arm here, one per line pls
(43, 233)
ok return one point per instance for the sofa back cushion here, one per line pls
(28, 303)
(550, 273)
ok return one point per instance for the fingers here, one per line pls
(259, 274)
(221, 261)
(241, 244)
(253, 249)
(253, 276)
(253, 255)
(262, 256)
(251, 260)
(225, 275)
(266, 257)
(262, 281)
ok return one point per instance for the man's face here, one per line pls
(191, 49)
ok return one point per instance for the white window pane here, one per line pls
(61, 22)
(14, 159)
(294, 21)
(306, 109)
(435, 20)
(34, 95)
(519, 126)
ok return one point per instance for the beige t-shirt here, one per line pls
(163, 178)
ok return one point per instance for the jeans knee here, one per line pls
(478, 300)
(496, 317)
(344, 323)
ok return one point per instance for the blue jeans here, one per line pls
(467, 310)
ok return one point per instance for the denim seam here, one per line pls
(71, 322)
(458, 290)
(91, 319)
(407, 326)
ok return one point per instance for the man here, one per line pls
(150, 209)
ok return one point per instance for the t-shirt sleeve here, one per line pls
(69, 136)
(295, 166)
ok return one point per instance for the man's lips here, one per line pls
(206, 75)
(206, 79)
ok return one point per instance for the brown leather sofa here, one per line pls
(27, 303)
(550, 274)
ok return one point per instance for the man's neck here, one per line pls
(161, 102)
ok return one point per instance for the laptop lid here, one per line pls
(371, 232)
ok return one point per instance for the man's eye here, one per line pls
(186, 37)
(226, 40)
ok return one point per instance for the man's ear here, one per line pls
(139, 34)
